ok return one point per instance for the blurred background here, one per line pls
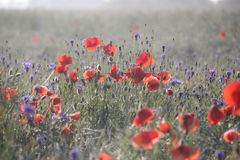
(186, 27)
(126, 4)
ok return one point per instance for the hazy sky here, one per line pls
(24, 4)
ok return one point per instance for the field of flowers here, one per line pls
(120, 85)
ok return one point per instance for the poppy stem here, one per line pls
(48, 78)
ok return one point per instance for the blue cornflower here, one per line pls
(228, 73)
(74, 153)
(219, 154)
(41, 139)
(26, 65)
(51, 66)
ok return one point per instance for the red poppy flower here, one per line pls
(75, 116)
(231, 110)
(168, 91)
(73, 75)
(92, 73)
(185, 152)
(164, 76)
(34, 102)
(215, 115)
(56, 101)
(92, 43)
(55, 109)
(231, 135)
(144, 59)
(23, 120)
(136, 74)
(40, 90)
(101, 77)
(36, 38)
(236, 111)
(60, 68)
(114, 73)
(227, 109)
(9, 92)
(188, 122)
(51, 95)
(164, 126)
(222, 35)
(144, 116)
(135, 27)
(65, 59)
(109, 49)
(147, 75)
(38, 118)
(231, 93)
(152, 83)
(89, 74)
(26, 108)
(66, 130)
(104, 156)
(145, 139)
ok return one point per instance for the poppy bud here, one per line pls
(10, 72)
(31, 78)
(169, 91)
(238, 74)
(99, 68)
(79, 91)
(43, 97)
(18, 74)
(110, 59)
(163, 48)
(72, 41)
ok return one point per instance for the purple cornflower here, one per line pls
(41, 139)
(64, 116)
(176, 82)
(38, 67)
(59, 148)
(180, 94)
(176, 67)
(155, 110)
(26, 65)
(220, 79)
(26, 108)
(214, 101)
(26, 99)
(219, 154)
(86, 67)
(228, 73)
(50, 66)
(212, 72)
(74, 153)
(136, 36)
(30, 118)
(71, 42)
(37, 89)
(31, 78)
(163, 56)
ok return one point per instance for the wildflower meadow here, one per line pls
(112, 85)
